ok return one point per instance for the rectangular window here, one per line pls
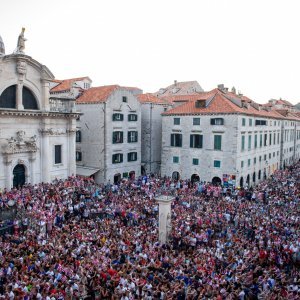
(217, 163)
(117, 158)
(270, 139)
(132, 137)
(175, 159)
(265, 140)
(57, 154)
(273, 154)
(270, 155)
(274, 138)
(125, 175)
(242, 164)
(196, 121)
(254, 160)
(259, 158)
(176, 140)
(265, 156)
(217, 121)
(117, 117)
(217, 142)
(78, 156)
(249, 142)
(255, 141)
(243, 143)
(117, 137)
(124, 99)
(195, 161)
(132, 117)
(260, 140)
(78, 136)
(250, 122)
(196, 141)
(176, 121)
(243, 122)
(249, 162)
(260, 122)
(132, 156)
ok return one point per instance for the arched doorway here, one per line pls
(195, 178)
(131, 175)
(254, 177)
(216, 181)
(241, 182)
(117, 178)
(175, 175)
(19, 175)
(248, 180)
(259, 175)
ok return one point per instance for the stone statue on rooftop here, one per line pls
(21, 43)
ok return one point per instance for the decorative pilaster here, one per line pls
(72, 151)
(46, 158)
(46, 94)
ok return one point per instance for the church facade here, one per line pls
(37, 137)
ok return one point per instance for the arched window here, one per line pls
(29, 101)
(8, 97)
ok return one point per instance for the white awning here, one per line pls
(85, 171)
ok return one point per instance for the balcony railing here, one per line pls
(62, 105)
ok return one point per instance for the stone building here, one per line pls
(151, 129)
(37, 140)
(222, 137)
(109, 133)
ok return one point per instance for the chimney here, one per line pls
(233, 90)
(221, 87)
(175, 82)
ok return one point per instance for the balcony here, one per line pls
(62, 105)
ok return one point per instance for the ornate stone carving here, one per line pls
(51, 131)
(73, 130)
(20, 144)
(21, 67)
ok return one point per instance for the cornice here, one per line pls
(38, 114)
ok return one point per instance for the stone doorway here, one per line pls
(19, 176)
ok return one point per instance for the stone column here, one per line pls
(19, 96)
(46, 156)
(72, 152)
(9, 179)
(164, 213)
(46, 94)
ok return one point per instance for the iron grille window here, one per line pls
(196, 141)
(175, 159)
(176, 140)
(195, 161)
(117, 158)
(117, 137)
(132, 136)
(57, 154)
(217, 163)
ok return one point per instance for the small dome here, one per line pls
(2, 48)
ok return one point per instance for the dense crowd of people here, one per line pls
(79, 240)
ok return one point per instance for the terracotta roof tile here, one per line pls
(97, 94)
(221, 104)
(65, 84)
(150, 98)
